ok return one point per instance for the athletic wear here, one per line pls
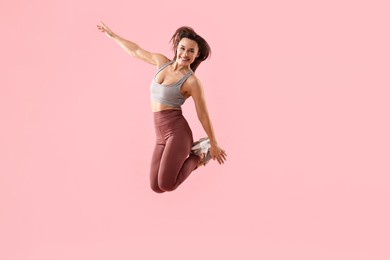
(172, 160)
(201, 147)
(168, 95)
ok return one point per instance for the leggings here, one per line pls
(172, 161)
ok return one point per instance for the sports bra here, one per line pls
(169, 95)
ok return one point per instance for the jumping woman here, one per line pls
(175, 154)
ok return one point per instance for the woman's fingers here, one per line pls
(223, 155)
(218, 154)
(221, 161)
(101, 28)
(103, 24)
(105, 29)
(220, 157)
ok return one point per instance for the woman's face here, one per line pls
(187, 51)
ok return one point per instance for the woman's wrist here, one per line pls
(213, 143)
(114, 36)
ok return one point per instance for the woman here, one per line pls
(175, 155)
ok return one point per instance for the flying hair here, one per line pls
(188, 32)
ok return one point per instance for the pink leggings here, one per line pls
(172, 161)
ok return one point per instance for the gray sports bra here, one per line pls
(168, 95)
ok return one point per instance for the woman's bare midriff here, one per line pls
(156, 107)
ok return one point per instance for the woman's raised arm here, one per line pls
(134, 49)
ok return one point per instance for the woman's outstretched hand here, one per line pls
(104, 28)
(217, 153)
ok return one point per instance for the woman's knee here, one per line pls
(167, 186)
(156, 188)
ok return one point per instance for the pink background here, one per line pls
(299, 96)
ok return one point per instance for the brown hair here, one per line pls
(188, 32)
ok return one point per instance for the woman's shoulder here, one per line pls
(193, 83)
(193, 80)
(161, 60)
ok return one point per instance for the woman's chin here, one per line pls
(184, 62)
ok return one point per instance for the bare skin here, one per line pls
(187, 51)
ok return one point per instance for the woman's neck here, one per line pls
(177, 68)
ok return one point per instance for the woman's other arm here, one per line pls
(197, 93)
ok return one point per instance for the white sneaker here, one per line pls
(201, 147)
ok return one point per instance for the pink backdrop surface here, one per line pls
(298, 92)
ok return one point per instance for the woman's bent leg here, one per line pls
(176, 163)
(172, 161)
